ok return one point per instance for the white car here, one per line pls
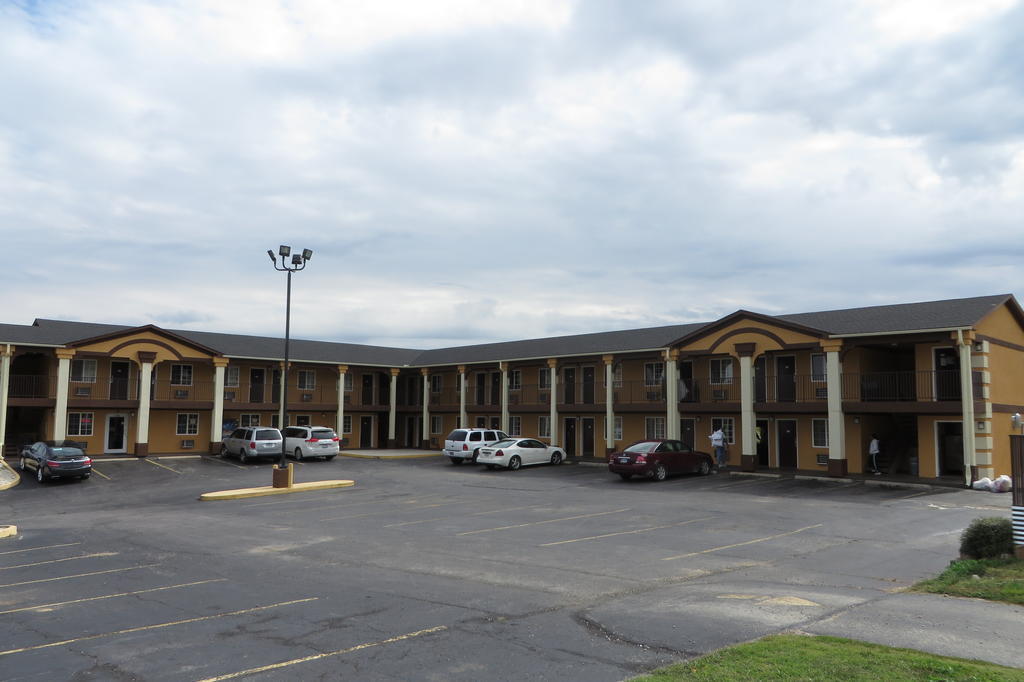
(513, 453)
(311, 441)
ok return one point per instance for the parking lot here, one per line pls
(424, 571)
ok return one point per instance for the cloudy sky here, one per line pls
(471, 171)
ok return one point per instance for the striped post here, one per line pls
(1017, 473)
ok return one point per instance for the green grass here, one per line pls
(998, 580)
(797, 657)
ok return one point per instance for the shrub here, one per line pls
(987, 538)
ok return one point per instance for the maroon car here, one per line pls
(657, 458)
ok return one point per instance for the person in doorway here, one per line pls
(873, 450)
(718, 443)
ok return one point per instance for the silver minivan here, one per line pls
(252, 441)
(464, 444)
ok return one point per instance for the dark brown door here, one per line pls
(119, 380)
(481, 388)
(687, 390)
(366, 431)
(951, 448)
(495, 388)
(588, 386)
(115, 433)
(257, 377)
(367, 397)
(570, 436)
(687, 429)
(569, 385)
(761, 436)
(785, 378)
(787, 443)
(947, 374)
(588, 437)
(275, 387)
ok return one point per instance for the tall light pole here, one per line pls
(298, 262)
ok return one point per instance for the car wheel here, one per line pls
(21, 464)
(242, 457)
(224, 452)
(705, 467)
(515, 463)
(40, 476)
(298, 454)
(556, 458)
(625, 477)
(660, 473)
(85, 476)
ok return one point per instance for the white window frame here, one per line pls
(181, 375)
(346, 424)
(544, 379)
(724, 378)
(232, 376)
(617, 426)
(80, 431)
(617, 375)
(85, 376)
(306, 385)
(515, 380)
(823, 376)
(654, 374)
(815, 423)
(191, 424)
(544, 426)
(728, 426)
(515, 425)
(248, 420)
(654, 427)
(436, 424)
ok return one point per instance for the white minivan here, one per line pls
(251, 442)
(311, 441)
(464, 444)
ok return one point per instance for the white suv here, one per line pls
(252, 441)
(311, 441)
(464, 444)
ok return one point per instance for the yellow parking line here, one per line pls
(100, 473)
(624, 532)
(32, 549)
(317, 657)
(155, 626)
(444, 518)
(224, 461)
(162, 466)
(741, 544)
(537, 523)
(78, 575)
(40, 607)
(57, 561)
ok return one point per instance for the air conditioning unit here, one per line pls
(181, 393)
(307, 397)
(83, 391)
(719, 394)
(188, 444)
(821, 393)
(229, 395)
(654, 395)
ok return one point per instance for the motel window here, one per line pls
(818, 371)
(544, 378)
(307, 380)
(544, 427)
(188, 424)
(515, 425)
(231, 376)
(181, 375)
(302, 420)
(348, 382)
(721, 371)
(83, 371)
(80, 423)
(515, 381)
(617, 428)
(819, 433)
(727, 424)
(654, 375)
(617, 375)
(436, 423)
(654, 427)
(436, 383)
(346, 424)
(249, 420)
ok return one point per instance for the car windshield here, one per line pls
(646, 446)
(268, 434)
(505, 443)
(458, 434)
(67, 452)
(322, 434)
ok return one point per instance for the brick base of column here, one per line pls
(392, 443)
(425, 444)
(974, 473)
(215, 446)
(141, 449)
(837, 467)
(748, 462)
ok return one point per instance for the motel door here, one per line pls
(785, 370)
(115, 440)
(588, 437)
(256, 378)
(569, 387)
(366, 430)
(588, 385)
(119, 380)
(787, 443)
(947, 374)
(687, 429)
(761, 436)
(570, 437)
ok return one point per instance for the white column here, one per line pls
(553, 415)
(5, 387)
(145, 394)
(425, 426)
(60, 411)
(609, 403)
(967, 404)
(504, 397)
(671, 396)
(836, 425)
(340, 429)
(748, 439)
(393, 408)
(217, 423)
(462, 398)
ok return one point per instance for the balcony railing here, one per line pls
(32, 386)
(927, 386)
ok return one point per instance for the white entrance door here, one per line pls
(115, 438)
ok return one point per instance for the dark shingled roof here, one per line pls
(960, 312)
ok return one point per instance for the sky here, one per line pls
(468, 171)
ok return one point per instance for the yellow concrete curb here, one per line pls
(16, 481)
(8, 531)
(362, 456)
(268, 490)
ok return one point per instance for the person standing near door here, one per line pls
(718, 443)
(873, 450)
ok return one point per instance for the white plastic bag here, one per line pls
(983, 484)
(1002, 484)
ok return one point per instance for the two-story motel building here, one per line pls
(938, 381)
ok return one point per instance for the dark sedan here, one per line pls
(56, 459)
(658, 458)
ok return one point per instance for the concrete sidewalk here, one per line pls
(393, 453)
